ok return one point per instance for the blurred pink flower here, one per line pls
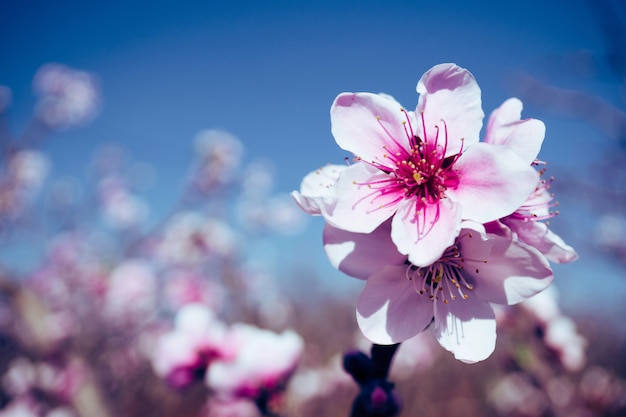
(183, 354)
(187, 286)
(219, 156)
(121, 208)
(569, 346)
(559, 331)
(515, 395)
(257, 362)
(132, 290)
(426, 168)
(28, 169)
(400, 299)
(67, 97)
(191, 238)
(543, 307)
(24, 377)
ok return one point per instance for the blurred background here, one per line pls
(171, 78)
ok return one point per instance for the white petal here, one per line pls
(358, 254)
(389, 310)
(467, 328)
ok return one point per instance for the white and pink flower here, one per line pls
(401, 300)
(183, 354)
(67, 97)
(506, 127)
(256, 362)
(424, 169)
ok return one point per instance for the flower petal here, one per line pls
(506, 128)
(389, 310)
(358, 254)
(512, 272)
(466, 328)
(316, 190)
(426, 235)
(362, 208)
(540, 237)
(494, 182)
(369, 125)
(450, 93)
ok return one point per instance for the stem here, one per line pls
(377, 397)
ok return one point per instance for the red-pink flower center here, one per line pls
(422, 170)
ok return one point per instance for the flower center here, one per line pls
(422, 170)
(444, 279)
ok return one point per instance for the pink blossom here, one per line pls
(191, 238)
(525, 137)
(219, 156)
(257, 361)
(543, 307)
(28, 169)
(183, 354)
(401, 299)
(515, 394)
(67, 97)
(132, 290)
(424, 169)
(569, 346)
(187, 286)
(119, 206)
(24, 377)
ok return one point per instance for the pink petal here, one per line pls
(369, 125)
(466, 328)
(506, 128)
(494, 182)
(389, 310)
(361, 208)
(450, 93)
(540, 237)
(424, 238)
(513, 271)
(316, 193)
(360, 255)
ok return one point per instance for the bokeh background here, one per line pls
(268, 71)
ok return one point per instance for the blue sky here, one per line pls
(268, 71)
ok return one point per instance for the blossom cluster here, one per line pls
(116, 300)
(440, 224)
(117, 312)
(237, 361)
